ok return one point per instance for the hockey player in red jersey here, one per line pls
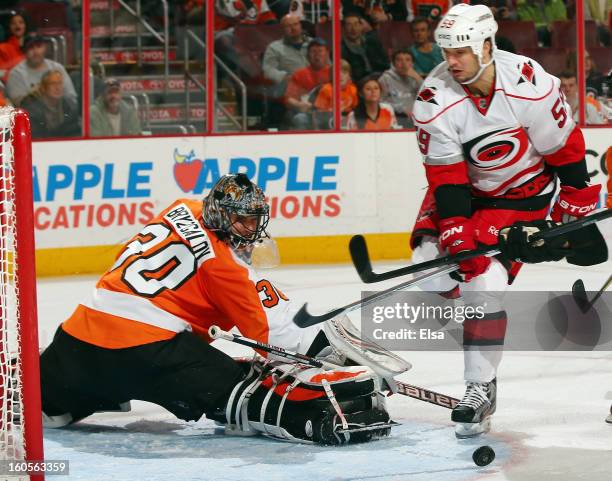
(495, 133)
(144, 334)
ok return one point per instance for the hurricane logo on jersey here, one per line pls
(428, 95)
(527, 73)
(498, 149)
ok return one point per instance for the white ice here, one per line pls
(549, 423)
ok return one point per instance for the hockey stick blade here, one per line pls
(361, 259)
(369, 276)
(304, 319)
(581, 298)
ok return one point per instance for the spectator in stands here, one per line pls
(281, 58)
(285, 56)
(303, 81)
(594, 79)
(542, 13)
(11, 50)
(26, 75)
(364, 52)
(51, 113)
(502, 9)
(425, 53)
(110, 116)
(324, 99)
(377, 11)
(371, 113)
(594, 112)
(600, 12)
(400, 85)
(312, 11)
(228, 13)
(430, 10)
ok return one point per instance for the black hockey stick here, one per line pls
(361, 258)
(582, 299)
(304, 319)
(409, 390)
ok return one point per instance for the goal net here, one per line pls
(20, 412)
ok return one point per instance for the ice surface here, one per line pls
(549, 423)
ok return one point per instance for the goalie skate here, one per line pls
(473, 413)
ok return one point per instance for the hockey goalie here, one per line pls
(144, 335)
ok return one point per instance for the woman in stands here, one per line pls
(11, 52)
(371, 113)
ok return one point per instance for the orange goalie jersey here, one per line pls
(177, 275)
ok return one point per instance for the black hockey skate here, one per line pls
(473, 413)
(609, 418)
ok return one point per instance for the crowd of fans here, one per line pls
(296, 68)
(291, 80)
(43, 87)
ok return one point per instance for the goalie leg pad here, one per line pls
(295, 403)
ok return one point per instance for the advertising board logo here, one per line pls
(186, 170)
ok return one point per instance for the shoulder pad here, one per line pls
(522, 76)
(438, 92)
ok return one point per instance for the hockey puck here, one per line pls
(483, 455)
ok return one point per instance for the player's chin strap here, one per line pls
(480, 71)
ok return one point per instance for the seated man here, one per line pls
(281, 58)
(364, 52)
(304, 81)
(52, 114)
(111, 116)
(426, 54)
(400, 86)
(26, 75)
(144, 334)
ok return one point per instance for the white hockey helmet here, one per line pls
(467, 26)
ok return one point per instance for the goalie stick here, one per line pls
(406, 389)
(582, 299)
(361, 259)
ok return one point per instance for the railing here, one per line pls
(190, 34)
(141, 22)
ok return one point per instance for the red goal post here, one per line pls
(20, 405)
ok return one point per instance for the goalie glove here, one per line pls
(302, 404)
(457, 235)
(515, 243)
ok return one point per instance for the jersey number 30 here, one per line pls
(166, 268)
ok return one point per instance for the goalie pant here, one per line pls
(190, 378)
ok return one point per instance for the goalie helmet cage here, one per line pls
(20, 404)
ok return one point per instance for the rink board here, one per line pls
(90, 196)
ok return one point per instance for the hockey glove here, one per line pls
(457, 235)
(514, 243)
(573, 203)
(587, 244)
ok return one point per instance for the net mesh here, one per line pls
(12, 443)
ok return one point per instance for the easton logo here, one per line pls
(527, 73)
(428, 95)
